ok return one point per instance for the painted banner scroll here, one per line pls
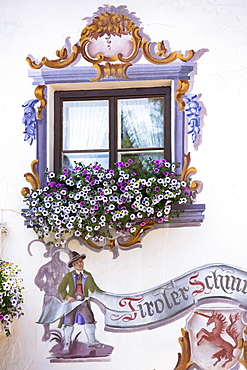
(174, 299)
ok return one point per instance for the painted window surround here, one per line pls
(140, 75)
(76, 78)
(110, 36)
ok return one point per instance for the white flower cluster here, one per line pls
(89, 198)
(10, 294)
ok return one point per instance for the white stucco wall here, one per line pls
(40, 29)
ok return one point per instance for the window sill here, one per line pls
(191, 215)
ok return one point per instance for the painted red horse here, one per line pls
(221, 326)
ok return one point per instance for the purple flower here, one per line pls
(166, 173)
(156, 170)
(65, 170)
(157, 162)
(127, 164)
(156, 188)
(119, 164)
(88, 177)
(133, 174)
(95, 167)
(130, 160)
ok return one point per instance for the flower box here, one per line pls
(90, 201)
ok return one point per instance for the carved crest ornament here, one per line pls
(111, 37)
(112, 42)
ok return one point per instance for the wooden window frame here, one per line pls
(112, 95)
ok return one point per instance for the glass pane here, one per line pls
(86, 158)
(139, 157)
(85, 124)
(141, 123)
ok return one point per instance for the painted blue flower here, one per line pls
(29, 120)
(192, 111)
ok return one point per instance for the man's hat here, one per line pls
(74, 256)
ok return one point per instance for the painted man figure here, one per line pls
(75, 286)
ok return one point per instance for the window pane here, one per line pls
(141, 123)
(85, 124)
(86, 158)
(140, 156)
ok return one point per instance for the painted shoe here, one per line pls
(96, 344)
(66, 348)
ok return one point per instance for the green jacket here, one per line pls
(67, 286)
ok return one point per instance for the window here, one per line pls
(145, 120)
(106, 126)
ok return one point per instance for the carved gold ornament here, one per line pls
(186, 172)
(244, 346)
(111, 70)
(64, 60)
(184, 358)
(183, 87)
(32, 178)
(109, 38)
(39, 93)
(162, 52)
(122, 241)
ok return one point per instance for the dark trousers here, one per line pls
(82, 309)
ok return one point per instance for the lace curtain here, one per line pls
(86, 127)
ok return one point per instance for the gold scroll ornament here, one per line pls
(39, 93)
(187, 171)
(244, 346)
(32, 178)
(182, 88)
(184, 358)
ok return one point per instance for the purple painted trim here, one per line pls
(41, 148)
(137, 72)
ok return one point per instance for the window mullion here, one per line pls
(58, 131)
(167, 127)
(113, 131)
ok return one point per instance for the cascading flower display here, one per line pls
(11, 297)
(88, 199)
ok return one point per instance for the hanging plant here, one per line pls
(90, 201)
(10, 294)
